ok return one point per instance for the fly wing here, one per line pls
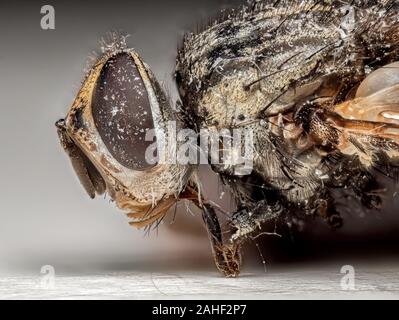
(382, 106)
(367, 127)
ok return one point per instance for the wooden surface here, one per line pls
(373, 282)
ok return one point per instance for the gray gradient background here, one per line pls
(45, 216)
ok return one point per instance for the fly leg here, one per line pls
(227, 256)
(350, 174)
(248, 221)
(324, 207)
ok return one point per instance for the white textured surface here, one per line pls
(320, 283)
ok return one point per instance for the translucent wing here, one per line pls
(366, 126)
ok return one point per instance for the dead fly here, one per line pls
(316, 82)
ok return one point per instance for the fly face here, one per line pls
(116, 132)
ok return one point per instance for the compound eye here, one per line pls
(122, 111)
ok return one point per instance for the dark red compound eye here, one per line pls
(122, 111)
